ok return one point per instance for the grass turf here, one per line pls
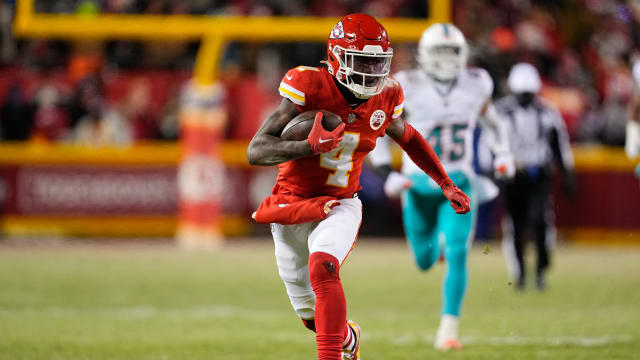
(158, 303)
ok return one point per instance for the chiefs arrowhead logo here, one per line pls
(377, 119)
(337, 32)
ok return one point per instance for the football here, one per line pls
(300, 126)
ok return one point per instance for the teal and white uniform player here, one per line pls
(444, 100)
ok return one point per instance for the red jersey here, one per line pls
(336, 173)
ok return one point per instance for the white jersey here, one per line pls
(446, 117)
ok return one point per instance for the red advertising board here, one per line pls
(68, 190)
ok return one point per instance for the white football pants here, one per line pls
(334, 235)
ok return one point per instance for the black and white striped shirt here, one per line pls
(537, 133)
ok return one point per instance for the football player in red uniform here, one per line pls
(314, 211)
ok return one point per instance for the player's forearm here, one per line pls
(422, 154)
(267, 150)
(495, 124)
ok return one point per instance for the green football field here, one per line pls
(158, 303)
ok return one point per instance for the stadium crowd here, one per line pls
(119, 92)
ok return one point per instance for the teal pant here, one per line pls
(431, 224)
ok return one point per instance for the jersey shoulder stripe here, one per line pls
(397, 111)
(296, 96)
(393, 89)
(300, 84)
(302, 68)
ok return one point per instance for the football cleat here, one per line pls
(449, 344)
(353, 353)
(447, 336)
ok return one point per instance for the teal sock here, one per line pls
(427, 214)
(457, 230)
(454, 284)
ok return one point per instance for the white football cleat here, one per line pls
(353, 352)
(447, 336)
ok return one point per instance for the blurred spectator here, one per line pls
(101, 124)
(51, 121)
(137, 108)
(251, 94)
(85, 60)
(105, 127)
(16, 115)
(7, 42)
(581, 47)
(169, 125)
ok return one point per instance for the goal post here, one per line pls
(201, 113)
(213, 31)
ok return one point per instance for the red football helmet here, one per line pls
(359, 54)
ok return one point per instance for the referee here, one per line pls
(538, 139)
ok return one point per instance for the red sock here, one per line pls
(331, 306)
(311, 325)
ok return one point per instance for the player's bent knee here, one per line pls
(426, 257)
(323, 267)
(425, 262)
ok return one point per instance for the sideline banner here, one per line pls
(67, 190)
(70, 190)
(75, 199)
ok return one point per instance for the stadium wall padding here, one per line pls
(130, 191)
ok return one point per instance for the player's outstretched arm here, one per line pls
(503, 163)
(266, 148)
(423, 155)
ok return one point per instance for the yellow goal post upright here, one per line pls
(214, 32)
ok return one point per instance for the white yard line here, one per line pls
(142, 312)
(584, 341)
(417, 339)
(224, 311)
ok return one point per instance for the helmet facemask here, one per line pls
(443, 62)
(363, 72)
(443, 52)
